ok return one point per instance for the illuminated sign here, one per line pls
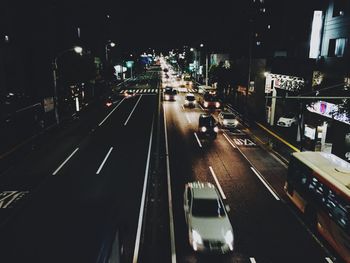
(315, 40)
(329, 110)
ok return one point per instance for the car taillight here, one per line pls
(203, 129)
(217, 104)
(108, 104)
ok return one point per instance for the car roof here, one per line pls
(189, 94)
(203, 116)
(203, 190)
(227, 113)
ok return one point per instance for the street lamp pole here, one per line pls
(111, 44)
(249, 69)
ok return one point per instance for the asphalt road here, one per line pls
(265, 227)
(62, 201)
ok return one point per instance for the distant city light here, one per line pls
(201, 45)
(112, 44)
(7, 38)
(268, 26)
(316, 35)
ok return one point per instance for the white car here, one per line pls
(227, 120)
(287, 120)
(190, 100)
(209, 227)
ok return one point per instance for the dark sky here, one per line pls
(220, 24)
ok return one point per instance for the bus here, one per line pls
(318, 184)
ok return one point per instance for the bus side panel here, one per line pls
(337, 237)
(297, 200)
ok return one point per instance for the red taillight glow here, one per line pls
(108, 104)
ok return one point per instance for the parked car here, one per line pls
(227, 120)
(190, 100)
(287, 120)
(207, 126)
(209, 227)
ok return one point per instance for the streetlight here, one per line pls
(77, 50)
(111, 44)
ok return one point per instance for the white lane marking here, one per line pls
(143, 197)
(104, 160)
(252, 260)
(264, 182)
(188, 119)
(229, 141)
(328, 260)
(65, 161)
(171, 216)
(217, 183)
(126, 122)
(199, 142)
(109, 114)
(200, 106)
(183, 107)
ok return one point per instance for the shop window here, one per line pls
(337, 47)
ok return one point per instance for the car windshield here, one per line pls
(207, 208)
(190, 98)
(170, 91)
(210, 97)
(229, 116)
(207, 121)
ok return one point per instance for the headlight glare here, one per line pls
(204, 129)
(196, 237)
(229, 237)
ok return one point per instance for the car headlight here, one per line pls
(229, 237)
(186, 101)
(190, 82)
(166, 97)
(235, 122)
(196, 237)
(217, 104)
(216, 129)
(203, 129)
(205, 104)
(225, 122)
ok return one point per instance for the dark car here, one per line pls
(207, 126)
(170, 94)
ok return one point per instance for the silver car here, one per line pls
(228, 120)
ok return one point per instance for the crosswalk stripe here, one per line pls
(148, 91)
(121, 91)
(137, 91)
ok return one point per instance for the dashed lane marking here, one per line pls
(199, 142)
(104, 160)
(65, 161)
(217, 183)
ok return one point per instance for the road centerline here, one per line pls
(104, 160)
(170, 202)
(143, 198)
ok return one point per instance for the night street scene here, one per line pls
(175, 131)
